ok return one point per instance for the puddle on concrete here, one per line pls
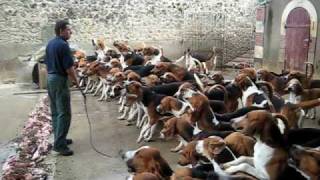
(6, 150)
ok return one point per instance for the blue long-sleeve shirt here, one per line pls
(58, 56)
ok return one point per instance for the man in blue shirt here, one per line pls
(59, 61)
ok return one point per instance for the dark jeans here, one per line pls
(59, 95)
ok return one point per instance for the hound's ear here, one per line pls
(217, 147)
(165, 169)
(137, 85)
(156, 52)
(283, 119)
(160, 167)
(252, 128)
(172, 126)
(123, 76)
(272, 133)
(316, 155)
(299, 88)
(191, 156)
(191, 108)
(154, 168)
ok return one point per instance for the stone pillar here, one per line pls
(259, 34)
(218, 59)
(42, 76)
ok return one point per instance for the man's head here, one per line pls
(63, 29)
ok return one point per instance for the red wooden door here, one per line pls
(297, 39)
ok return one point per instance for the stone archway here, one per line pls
(297, 39)
(309, 7)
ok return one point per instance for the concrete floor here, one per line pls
(109, 134)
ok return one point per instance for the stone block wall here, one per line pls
(28, 24)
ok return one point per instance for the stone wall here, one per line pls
(28, 24)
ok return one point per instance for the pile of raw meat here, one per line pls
(33, 147)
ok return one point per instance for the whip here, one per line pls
(90, 126)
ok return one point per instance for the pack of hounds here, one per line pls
(249, 127)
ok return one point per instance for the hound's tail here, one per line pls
(309, 104)
(199, 82)
(238, 113)
(308, 64)
(225, 92)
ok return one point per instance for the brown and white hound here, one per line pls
(169, 77)
(213, 149)
(178, 127)
(147, 159)
(79, 54)
(151, 80)
(251, 94)
(278, 81)
(132, 76)
(217, 78)
(297, 93)
(305, 79)
(172, 105)
(306, 160)
(235, 145)
(154, 54)
(121, 46)
(250, 72)
(106, 82)
(270, 155)
(179, 72)
(92, 72)
(149, 100)
(295, 112)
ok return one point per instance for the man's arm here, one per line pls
(72, 74)
(67, 62)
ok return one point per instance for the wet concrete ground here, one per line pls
(110, 136)
(14, 111)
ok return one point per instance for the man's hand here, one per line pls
(75, 83)
(72, 74)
